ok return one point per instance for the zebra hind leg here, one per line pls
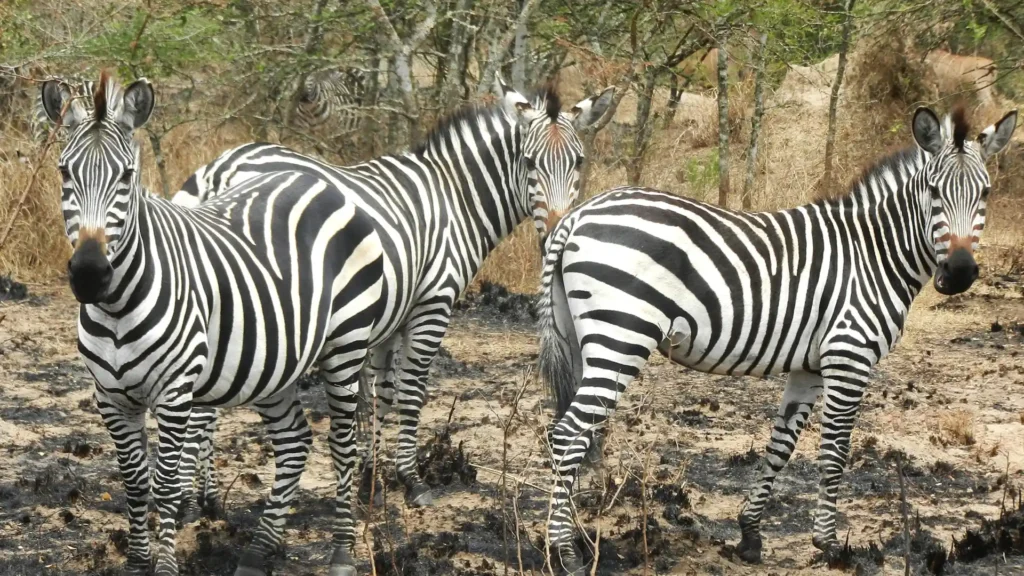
(379, 397)
(209, 492)
(844, 389)
(196, 456)
(802, 391)
(291, 437)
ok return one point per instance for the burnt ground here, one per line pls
(949, 404)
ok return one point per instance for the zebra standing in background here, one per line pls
(821, 292)
(329, 98)
(221, 305)
(440, 210)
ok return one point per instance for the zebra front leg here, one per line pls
(172, 414)
(127, 428)
(844, 388)
(291, 437)
(802, 391)
(197, 455)
(209, 489)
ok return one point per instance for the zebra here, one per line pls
(820, 292)
(439, 209)
(223, 304)
(329, 97)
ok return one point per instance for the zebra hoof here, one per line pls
(419, 496)
(188, 514)
(365, 484)
(136, 567)
(342, 563)
(250, 564)
(749, 548)
(570, 561)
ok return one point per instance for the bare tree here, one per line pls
(833, 102)
(755, 119)
(499, 47)
(723, 115)
(401, 54)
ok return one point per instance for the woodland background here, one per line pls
(760, 105)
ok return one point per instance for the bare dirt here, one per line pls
(949, 402)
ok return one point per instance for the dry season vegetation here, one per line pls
(947, 409)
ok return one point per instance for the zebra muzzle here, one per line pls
(956, 273)
(89, 272)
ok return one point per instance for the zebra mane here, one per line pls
(891, 162)
(99, 98)
(545, 95)
(960, 126)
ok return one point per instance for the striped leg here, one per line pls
(197, 455)
(341, 370)
(422, 341)
(289, 432)
(802, 391)
(609, 367)
(844, 388)
(127, 428)
(172, 412)
(382, 365)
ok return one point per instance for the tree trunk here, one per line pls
(161, 164)
(519, 53)
(723, 117)
(499, 47)
(642, 128)
(675, 93)
(452, 81)
(833, 102)
(755, 120)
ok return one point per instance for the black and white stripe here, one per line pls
(440, 210)
(329, 98)
(219, 305)
(820, 292)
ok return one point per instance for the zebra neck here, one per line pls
(136, 266)
(487, 180)
(888, 214)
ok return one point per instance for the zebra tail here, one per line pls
(559, 359)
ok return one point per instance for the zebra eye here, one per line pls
(934, 190)
(579, 162)
(984, 192)
(126, 176)
(65, 175)
(530, 164)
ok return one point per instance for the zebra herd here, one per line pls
(269, 262)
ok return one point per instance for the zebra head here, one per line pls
(99, 169)
(959, 184)
(552, 150)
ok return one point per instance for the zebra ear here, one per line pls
(54, 94)
(994, 138)
(515, 104)
(138, 104)
(590, 110)
(928, 131)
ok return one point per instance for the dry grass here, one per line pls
(956, 428)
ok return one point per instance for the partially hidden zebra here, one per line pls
(439, 209)
(820, 292)
(223, 304)
(329, 98)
